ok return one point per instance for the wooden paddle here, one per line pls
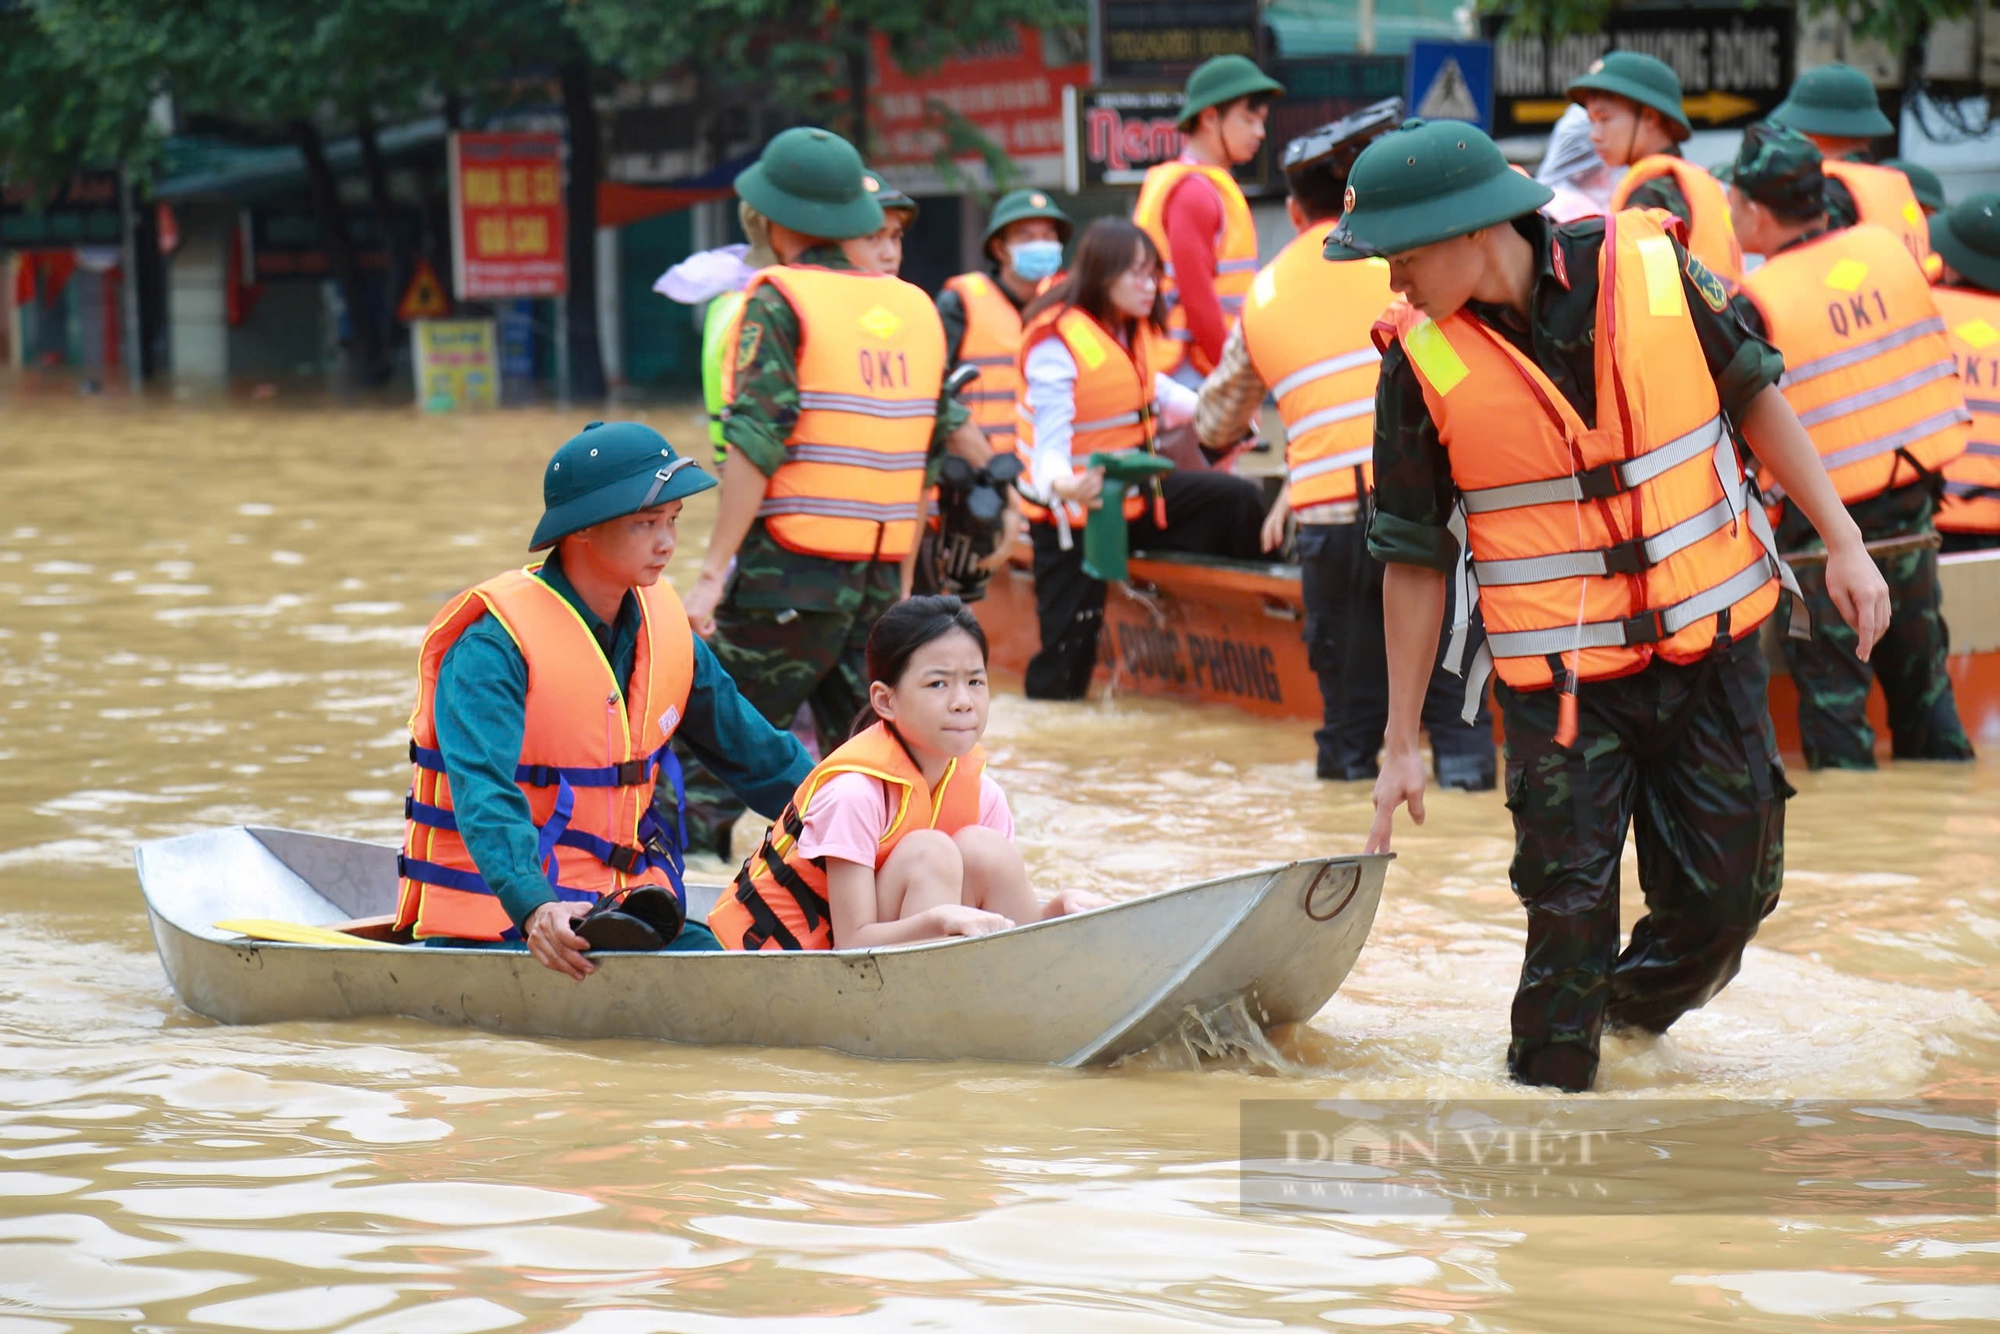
(294, 933)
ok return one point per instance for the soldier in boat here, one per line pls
(548, 700)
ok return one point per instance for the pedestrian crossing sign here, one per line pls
(1452, 81)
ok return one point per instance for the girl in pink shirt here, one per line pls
(890, 880)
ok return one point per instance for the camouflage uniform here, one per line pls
(1832, 682)
(791, 629)
(1684, 755)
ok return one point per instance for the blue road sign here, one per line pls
(1452, 81)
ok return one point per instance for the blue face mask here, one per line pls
(1035, 260)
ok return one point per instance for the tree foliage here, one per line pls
(807, 57)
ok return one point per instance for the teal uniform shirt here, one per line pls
(481, 711)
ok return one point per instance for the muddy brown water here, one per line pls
(208, 615)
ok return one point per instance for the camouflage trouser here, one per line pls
(1909, 662)
(780, 660)
(1687, 757)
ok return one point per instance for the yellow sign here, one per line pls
(457, 364)
(424, 298)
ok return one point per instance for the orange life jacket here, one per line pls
(1235, 251)
(589, 754)
(1972, 480)
(1711, 236)
(780, 897)
(1114, 398)
(992, 340)
(1307, 327)
(1595, 549)
(1868, 364)
(870, 367)
(1882, 195)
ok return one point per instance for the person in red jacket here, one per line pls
(1197, 216)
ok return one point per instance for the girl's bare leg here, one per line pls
(923, 872)
(995, 878)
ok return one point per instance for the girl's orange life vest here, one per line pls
(870, 367)
(780, 897)
(1868, 364)
(589, 753)
(1711, 236)
(1972, 480)
(1882, 195)
(1114, 398)
(1307, 327)
(1596, 548)
(1235, 251)
(992, 342)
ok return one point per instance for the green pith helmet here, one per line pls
(1967, 237)
(1219, 81)
(888, 196)
(1924, 183)
(811, 182)
(1426, 182)
(1836, 101)
(607, 471)
(1637, 78)
(1019, 206)
(1779, 168)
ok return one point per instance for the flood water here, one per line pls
(209, 616)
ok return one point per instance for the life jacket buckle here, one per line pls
(632, 773)
(1627, 557)
(625, 860)
(1601, 482)
(1648, 627)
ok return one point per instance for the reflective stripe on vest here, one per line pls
(1235, 251)
(1308, 329)
(1711, 235)
(589, 754)
(992, 339)
(780, 899)
(1882, 195)
(1114, 401)
(870, 368)
(1871, 378)
(1617, 543)
(1972, 480)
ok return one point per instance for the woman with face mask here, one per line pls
(982, 310)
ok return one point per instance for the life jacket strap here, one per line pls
(628, 773)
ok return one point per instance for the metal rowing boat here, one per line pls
(1079, 990)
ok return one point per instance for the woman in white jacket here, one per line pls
(1085, 362)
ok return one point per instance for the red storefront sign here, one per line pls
(508, 226)
(1012, 90)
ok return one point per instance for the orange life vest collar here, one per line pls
(780, 896)
(1711, 235)
(1882, 195)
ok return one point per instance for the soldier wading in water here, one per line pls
(1563, 396)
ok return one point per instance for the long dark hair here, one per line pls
(905, 628)
(1103, 252)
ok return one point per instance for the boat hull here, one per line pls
(1078, 990)
(1225, 632)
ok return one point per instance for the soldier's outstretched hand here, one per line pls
(1401, 782)
(1860, 593)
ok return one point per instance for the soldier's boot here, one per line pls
(1568, 1066)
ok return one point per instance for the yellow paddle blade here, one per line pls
(293, 933)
